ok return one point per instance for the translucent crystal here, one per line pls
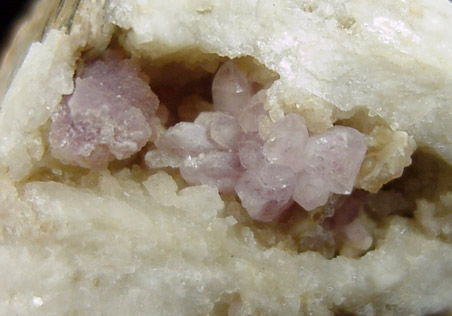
(222, 128)
(336, 156)
(266, 191)
(225, 131)
(185, 139)
(310, 191)
(250, 150)
(251, 113)
(205, 119)
(286, 142)
(231, 90)
(217, 168)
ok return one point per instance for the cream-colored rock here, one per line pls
(390, 57)
(124, 252)
(133, 243)
(388, 153)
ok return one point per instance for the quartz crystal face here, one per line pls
(266, 190)
(286, 142)
(220, 169)
(336, 157)
(186, 140)
(231, 90)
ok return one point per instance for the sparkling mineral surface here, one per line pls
(224, 149)
(109, 115)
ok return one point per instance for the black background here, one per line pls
(10, 11)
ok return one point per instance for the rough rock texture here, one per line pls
(376, 44)
(166, 251)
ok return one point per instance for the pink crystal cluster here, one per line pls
(109, 116)
(224, 149)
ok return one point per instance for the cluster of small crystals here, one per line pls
(110, 115)
(224, 149)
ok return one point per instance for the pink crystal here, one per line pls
(225, 131)
(108, 116)
(124, 77)
(222, 128)
(217, 168)
(76, 142)
(310, 191)
(231, 90)
(286, 142)
(185, 139)
(336, 156)
(224, 149)
(266, 191)
(251, 114)
(250, 150)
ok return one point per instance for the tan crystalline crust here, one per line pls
(129, 243)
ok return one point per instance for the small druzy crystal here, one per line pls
(109, 115)
(224, 149)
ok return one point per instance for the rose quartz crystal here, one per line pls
(266, 191)
(251, 113)
(250, 150)
(231, 90)
(220, 169)
(310, 191)
(286, 142)
(186, 139)
(224, 149)
(336, 157)
(223, 129)
(109, 115)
